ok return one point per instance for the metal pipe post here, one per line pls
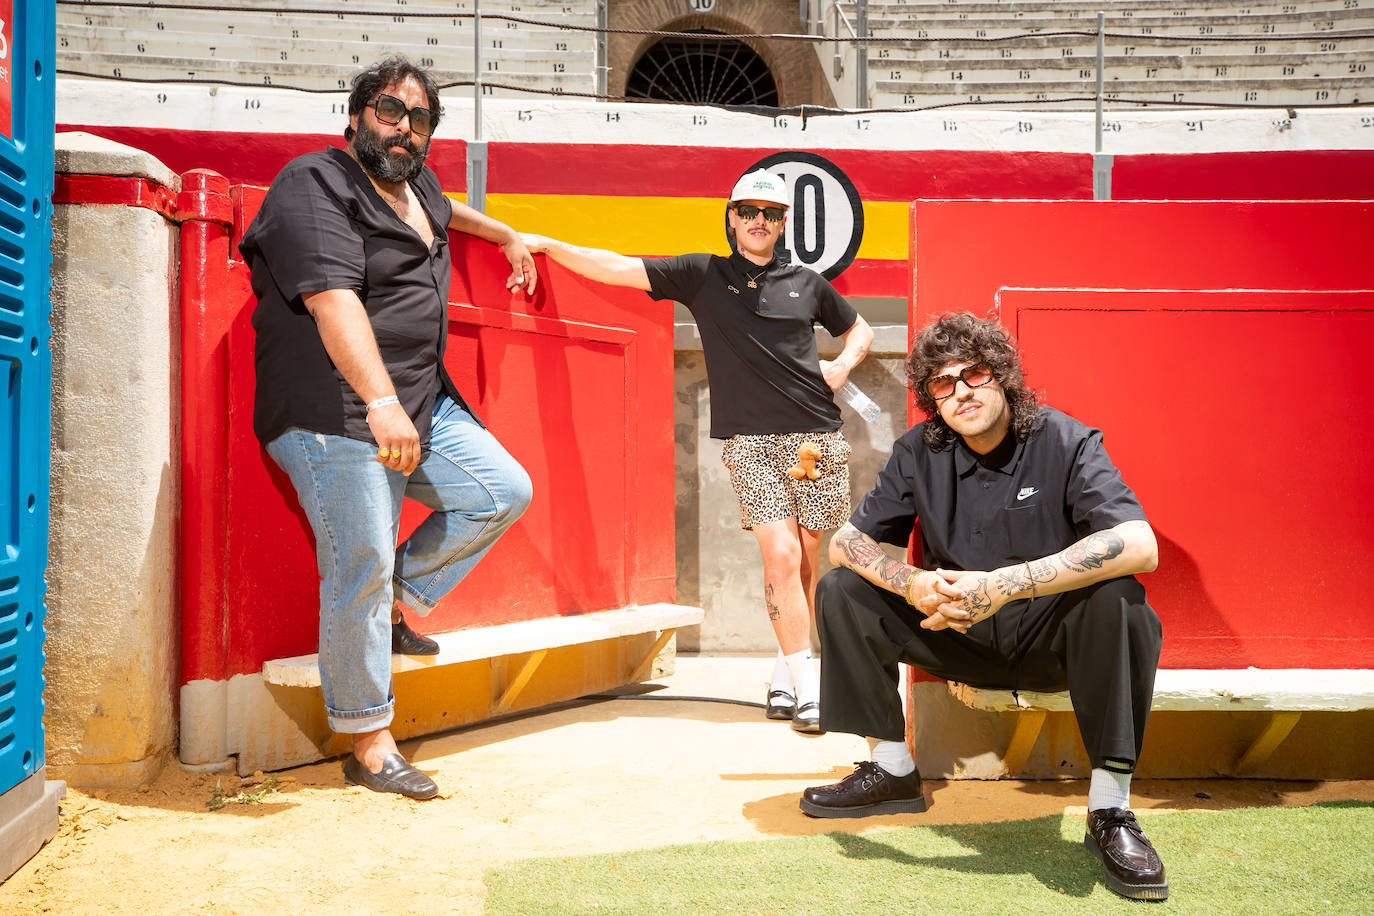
(1101, 45)
(1102, 162)
(477, 147)
(477, 69)
(603, 55)
(861, 72)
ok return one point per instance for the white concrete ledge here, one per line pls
(507, 639)
(1258, 689)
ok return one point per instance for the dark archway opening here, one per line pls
(714, 71)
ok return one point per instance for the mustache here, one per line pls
(402, 141)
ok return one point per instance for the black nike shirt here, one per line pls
(1022, 501)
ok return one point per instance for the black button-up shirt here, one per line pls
(1022, 501)
(323, 226)
(759, 342)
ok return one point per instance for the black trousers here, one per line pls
(1101, 643)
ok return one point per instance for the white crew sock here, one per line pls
(1109, 789)
(804, 677)
(782, 678)
(892, 756)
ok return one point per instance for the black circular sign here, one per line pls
(826, 222)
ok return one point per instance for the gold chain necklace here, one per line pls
(752, 284)
(394, 202)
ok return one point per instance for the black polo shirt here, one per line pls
(759, 343)
(1022, 501)
(323, 226)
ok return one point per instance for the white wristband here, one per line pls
(383, 402)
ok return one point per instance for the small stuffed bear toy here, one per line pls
(808, 453)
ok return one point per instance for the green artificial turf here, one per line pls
(1256, 861)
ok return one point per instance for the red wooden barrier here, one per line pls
(1240, 415)
(577, 383)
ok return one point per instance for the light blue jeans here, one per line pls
(476, 490)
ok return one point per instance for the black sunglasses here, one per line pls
(390, 110)
(749, 211)
(975, 376)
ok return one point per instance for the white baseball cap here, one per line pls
(761, 185)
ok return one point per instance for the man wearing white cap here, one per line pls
(770, 393)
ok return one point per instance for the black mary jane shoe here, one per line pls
(405, 641)
(781, 705)
(396, 776)
(808, 719)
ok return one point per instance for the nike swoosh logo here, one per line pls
(1026, 493)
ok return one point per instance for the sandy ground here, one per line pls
(599, 776)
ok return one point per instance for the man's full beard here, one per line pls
(374, 154)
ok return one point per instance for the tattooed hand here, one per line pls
(928, 589)
(979, 599)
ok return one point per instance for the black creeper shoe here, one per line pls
(867, 791)
(1130, 864)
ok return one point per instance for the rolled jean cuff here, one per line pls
(360, 721)
(410, 598)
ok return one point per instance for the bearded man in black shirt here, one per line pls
(1031, 541)
(350, 263)
(770, 394)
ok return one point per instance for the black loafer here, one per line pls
(396, 776)
(808, 719)
(781, 705)
(405, 641)
(1130, 864)
(868, 790)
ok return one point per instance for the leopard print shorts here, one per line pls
(758, 471)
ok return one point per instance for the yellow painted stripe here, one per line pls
(658, 226)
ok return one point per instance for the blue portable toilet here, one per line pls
(28, 803)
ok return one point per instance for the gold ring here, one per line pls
(381, 453)
(395, 453)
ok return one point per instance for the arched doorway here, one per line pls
(709, 69)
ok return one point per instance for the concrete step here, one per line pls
(247, 47)
(963, 24)
(398, 29)
(1277, 67)
(1079, 8)
(301, 75)
(1277, 93)
(1047, 47)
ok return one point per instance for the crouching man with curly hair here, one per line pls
(1031, 542)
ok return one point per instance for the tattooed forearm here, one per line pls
(1013, 580)
(862, 554)
(901, 578)
(860, 551)
(1092, 551)
(774, 612)
(1043, 571)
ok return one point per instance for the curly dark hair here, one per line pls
(386, 72)
(964, 338)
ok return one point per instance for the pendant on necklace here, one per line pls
(753, 285)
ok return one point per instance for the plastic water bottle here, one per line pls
(863, 405)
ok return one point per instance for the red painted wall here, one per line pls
(658, 171)
(1255, 466)
(1213, 345)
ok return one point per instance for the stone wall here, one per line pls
(718, 565)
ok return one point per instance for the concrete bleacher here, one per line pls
(1299, 52)
(319, 44)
